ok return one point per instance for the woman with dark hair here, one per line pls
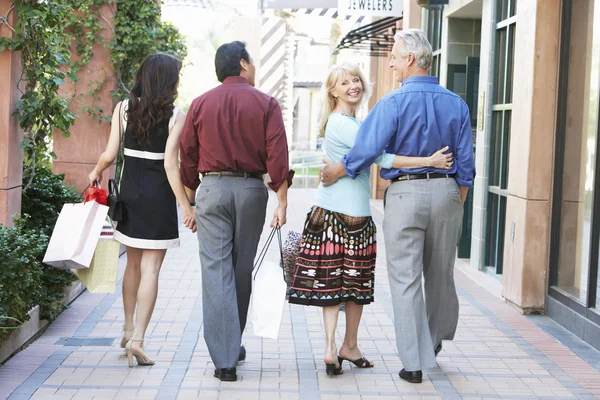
(150, 186)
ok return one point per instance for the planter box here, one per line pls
(72, 292)
(22, 334)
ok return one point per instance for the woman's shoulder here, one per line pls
(342, 121)
(179, 114)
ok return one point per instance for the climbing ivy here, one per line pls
(138, 33)
(40, 37)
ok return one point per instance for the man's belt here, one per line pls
(427, 175)
(237, 174)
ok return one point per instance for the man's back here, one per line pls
(417, 120)
(236, 128)
(232, 124)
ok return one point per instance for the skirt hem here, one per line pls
(329, 302)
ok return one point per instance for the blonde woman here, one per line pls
(336, 261)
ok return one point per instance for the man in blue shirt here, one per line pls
(424, 206)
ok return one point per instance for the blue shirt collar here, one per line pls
(421, 79)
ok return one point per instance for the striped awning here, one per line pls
(375, 39)
(324, 12)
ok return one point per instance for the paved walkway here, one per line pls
(497, 352)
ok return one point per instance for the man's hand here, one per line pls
(279, 216)
(463, 193)
(189, 218)
(332, 172)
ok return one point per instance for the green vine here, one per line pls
(40, 37)
(85, 27)
(132, 42)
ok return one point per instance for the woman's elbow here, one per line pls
(171, 167)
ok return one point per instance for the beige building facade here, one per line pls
(530, 72)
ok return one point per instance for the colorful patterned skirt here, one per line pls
(336, 261)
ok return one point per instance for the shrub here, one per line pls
(20, 273)
(44, 199)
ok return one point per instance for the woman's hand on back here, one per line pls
(441, 160)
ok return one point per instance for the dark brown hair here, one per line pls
(155, 90)
(228, 57)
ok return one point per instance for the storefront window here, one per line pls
(506, 25)
(580, 105)
(433, 18)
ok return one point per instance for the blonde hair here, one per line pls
(328, 101)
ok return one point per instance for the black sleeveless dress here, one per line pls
(150, 208)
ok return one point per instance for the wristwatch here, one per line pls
(193, 203)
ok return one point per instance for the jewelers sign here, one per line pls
(379, 8)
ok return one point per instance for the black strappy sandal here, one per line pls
(360, 363)
(331, 370)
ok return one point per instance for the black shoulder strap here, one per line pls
(120, 155)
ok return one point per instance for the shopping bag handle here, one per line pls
(95, 184)
(263, 252)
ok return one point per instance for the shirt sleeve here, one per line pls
(464, 159)
(373, 137)
(277, 148)
(189, 151)
(346, 133)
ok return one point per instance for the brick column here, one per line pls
(11, 155)
(411, 17)
(78, 154)
(527, 238)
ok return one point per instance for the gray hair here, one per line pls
(415, 42)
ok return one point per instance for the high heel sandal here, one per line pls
(125, 340)
(360, 362)
(140, 356)
(331, 369)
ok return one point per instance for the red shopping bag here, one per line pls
(97, 194)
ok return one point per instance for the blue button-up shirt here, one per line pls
(416, 120)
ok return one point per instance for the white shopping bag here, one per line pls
(268, 299)
(75, 235)
(268, 294)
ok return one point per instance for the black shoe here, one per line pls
(438, 349)
(226, 374)
(242, 356)
(411, 376)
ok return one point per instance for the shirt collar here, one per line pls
(421, 79)
(235, 79)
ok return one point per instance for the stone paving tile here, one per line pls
(497, 353)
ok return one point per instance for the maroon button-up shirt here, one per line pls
(234, 127)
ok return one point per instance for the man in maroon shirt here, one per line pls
(233, 135)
